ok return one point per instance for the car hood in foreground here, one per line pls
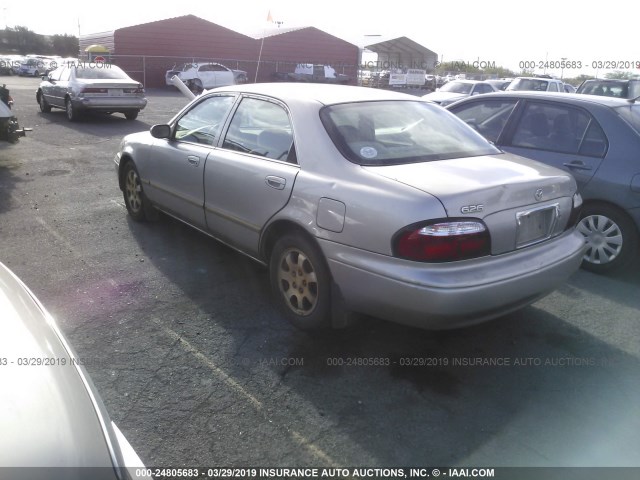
(50, 415)
(497, 182)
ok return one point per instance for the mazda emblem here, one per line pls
(538, 194)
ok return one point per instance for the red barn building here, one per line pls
(283, 49)
(148, 50)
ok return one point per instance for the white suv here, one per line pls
(538, 84)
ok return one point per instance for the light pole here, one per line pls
(563, 59)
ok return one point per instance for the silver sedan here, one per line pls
(359, 200)
(51, 415)
(98, 87)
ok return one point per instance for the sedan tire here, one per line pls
(195, 86)
(72, 114)
(611, 237)
(301, 282)
(132, 115)
(44, 105)
(135, 200)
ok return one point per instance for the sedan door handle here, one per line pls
(577, 165)
(193, 160)
(275, 182)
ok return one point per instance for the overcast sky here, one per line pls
(504, 32)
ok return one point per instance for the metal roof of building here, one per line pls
(402, 45)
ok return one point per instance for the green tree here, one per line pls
(619, 75)
(500, 72)
(576, 81)
(26, 41)
(65, 45)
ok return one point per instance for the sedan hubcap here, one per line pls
(604, 238)
(298, 282)
(133, 190)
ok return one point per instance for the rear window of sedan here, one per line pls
(101, 71)
(631, 114)
(397, 132)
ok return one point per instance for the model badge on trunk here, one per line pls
(472, 208)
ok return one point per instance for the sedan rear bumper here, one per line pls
(110, 103)
(456, 294)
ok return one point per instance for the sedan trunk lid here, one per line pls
(522, 202)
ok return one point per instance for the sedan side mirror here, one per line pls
(161, 131)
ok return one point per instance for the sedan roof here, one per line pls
(325, 94)
(558, 96)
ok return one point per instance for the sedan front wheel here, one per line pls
(44, 105)
(301, 282)
(133, 196)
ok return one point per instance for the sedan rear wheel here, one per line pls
(300, 282)
(72, 114)
(131, 115)
(611, 237)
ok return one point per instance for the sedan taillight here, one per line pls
(443, 241)
(134, 90)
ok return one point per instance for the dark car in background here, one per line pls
(51, 415)
(611, 88)
(597, 139)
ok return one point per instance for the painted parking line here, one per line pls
(70, 246)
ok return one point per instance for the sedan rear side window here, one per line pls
(261, 128)
(631, 113)
(559, 128)
(397, 132)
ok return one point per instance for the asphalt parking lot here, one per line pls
(198, 368)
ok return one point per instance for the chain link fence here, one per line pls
(151, 70)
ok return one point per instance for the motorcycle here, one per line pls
(10, 130)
